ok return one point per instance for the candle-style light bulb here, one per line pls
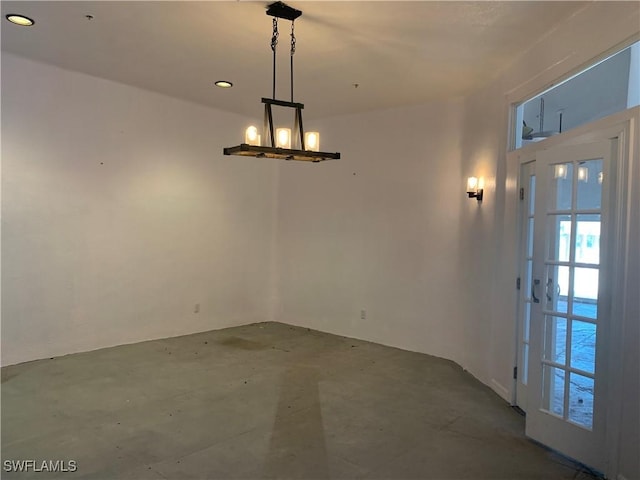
(283, 138)
(312, 141)
(251, 136)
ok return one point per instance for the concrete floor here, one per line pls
(264, 401)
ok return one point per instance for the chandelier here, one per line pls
(280, 140)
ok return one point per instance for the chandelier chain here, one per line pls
(293, 39)
(274, 43)
(274, 37)
(293, 51)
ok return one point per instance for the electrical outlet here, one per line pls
(363, 314)
(196, 308)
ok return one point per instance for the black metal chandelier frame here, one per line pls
(281, 10)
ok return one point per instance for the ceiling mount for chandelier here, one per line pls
(280, 140)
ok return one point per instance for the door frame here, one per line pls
(526, 164)
(623, 125)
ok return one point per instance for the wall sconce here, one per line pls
(474, 188)
(600, 177)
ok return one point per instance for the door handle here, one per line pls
(533, 290)
(549, 289)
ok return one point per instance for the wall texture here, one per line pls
(120, 214)
(377, 231)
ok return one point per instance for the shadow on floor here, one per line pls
(297, 447)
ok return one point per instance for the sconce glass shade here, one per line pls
(583, 174)
(283, 138)
(560, 171)
(312, 141)
(600, 177)
(475, 188)
(251, 136)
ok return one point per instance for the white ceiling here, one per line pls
(400, 53)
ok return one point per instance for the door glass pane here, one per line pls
(585, 292)
(589, 184)
(553, 389)
(559, 231)
(583, 346)
(562, 175)
(581, 400)
(530, 238)
(555, 339)
(556, 288)
(525, 363)
(527, 322)
(532, 194)
(588, 239)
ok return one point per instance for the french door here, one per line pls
(565, 269)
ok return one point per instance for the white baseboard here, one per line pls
(502, 391)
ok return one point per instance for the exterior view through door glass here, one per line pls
(566, 407)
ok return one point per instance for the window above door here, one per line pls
(604, 88)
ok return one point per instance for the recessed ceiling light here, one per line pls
(20, 20)
(224, 84)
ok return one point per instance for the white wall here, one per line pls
(378, 230)
(120, 213)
